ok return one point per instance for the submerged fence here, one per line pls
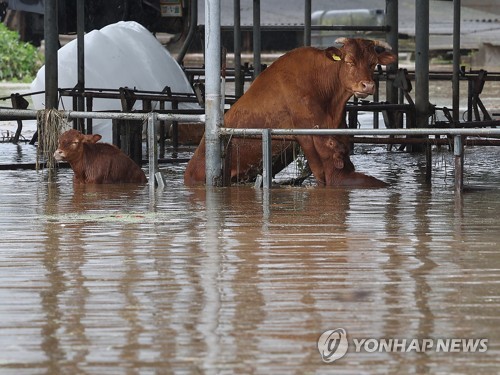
(457, 133)
(146, 118)
(266, 134)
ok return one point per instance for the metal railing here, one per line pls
(151, 118)
(457, 133)
(266, 134)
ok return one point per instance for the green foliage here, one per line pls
(18, 61)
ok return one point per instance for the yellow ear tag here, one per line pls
(336, 57)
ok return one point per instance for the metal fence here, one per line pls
(457, 133)
(266, 134)
(150, 118)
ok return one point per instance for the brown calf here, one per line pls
(96, 163)
(305, 88)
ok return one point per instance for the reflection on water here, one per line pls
(108, 279)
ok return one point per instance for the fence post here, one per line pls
(422, 105)
(51, 33)
(152, 147)
(458, 151)
(256, 39)
(307, 22)
(267, 160)
(213, 165)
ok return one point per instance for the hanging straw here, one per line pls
(49, 122)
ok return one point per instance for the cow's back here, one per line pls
(105, 163)
(283, 95)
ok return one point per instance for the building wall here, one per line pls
(490, 6)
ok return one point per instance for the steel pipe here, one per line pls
(307, 22)
(193, 24)
(392, 37)
(213, 112)
(422, 105)
(458, 152)
(267, 161)
(413, 131)
(152, 147)
(456, 61)
(30, 114)
(256, 39)
(239, 79)
(51, 36)
(80, 26)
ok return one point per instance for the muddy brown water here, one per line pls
(115, 280)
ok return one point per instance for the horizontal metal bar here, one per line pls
(416, 131)
(32, 114)
(248, 28)
(489, 141)
(377, 107)
(445, 76)
(190, 98)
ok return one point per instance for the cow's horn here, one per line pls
(383, 44)
(341, 40)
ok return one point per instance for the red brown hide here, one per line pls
(305, 88)
(96, 163)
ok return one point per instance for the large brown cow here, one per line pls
(96, 163)
(305, 88)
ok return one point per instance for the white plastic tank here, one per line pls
(124, 54)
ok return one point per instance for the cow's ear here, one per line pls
(386, 58)
(96, 138)
(333, 53)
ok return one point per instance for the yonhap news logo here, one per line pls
(333, 345)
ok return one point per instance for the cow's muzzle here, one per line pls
(365, 88)
(59, 155)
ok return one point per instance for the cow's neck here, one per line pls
(336, 109)
(77, 165)
(334, 97)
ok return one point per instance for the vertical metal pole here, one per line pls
(470, 88)
(239, 79)
(267, 162)
(428, 162)
(51, 35)
(193, 24)
(152, 147)
(458, 151)
(266, 209)
(391, 10)
(307, 23)
(80, 30)
(213, 120)
(256, 39)
(376, 99)
(175, 129)
(422, 63)
(456, 61)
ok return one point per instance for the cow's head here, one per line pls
(338, 148)
(70, 145)
(357, 59)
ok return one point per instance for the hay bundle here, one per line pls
(50, 123)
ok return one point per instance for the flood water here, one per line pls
(115, 280)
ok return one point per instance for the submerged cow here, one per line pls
(305, 88)
(96, 163)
